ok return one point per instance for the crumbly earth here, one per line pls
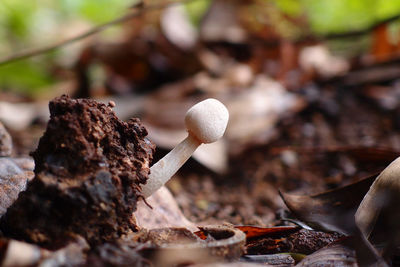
(89, 166)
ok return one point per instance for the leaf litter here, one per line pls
(298, 127)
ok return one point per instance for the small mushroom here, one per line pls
(206, 123)
(378, 215)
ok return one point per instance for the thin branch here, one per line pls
(41, 50)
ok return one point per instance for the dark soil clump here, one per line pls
(88, 169)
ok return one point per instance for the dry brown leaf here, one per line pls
(254, 112)
(164, 213)
(333, 255)
(332, 210)
(236, 264)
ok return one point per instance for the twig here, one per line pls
(41, 50)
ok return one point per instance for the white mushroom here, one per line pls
(206, 123)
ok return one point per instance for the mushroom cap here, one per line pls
(207, 120)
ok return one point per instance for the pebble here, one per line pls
(14, 172)
(13, 180)
(5, 142)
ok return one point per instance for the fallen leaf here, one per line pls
(230, 264)
(288, 239)
(333, 255)
(164, 212)
(318, 58)
(252, 231)
(255, 111)
(177, 246)
(280, 259)
(332, 210)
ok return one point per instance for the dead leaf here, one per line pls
(254, 112)
(382, 47)
(332, 210)
(288, 239)
(318, 58)
(175, 246)
(279, 259)
(164, 213)
(333, 255)
(252, 231)
(230, 264)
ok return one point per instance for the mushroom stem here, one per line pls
(206, 123)
(163, 170)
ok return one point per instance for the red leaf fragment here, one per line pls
(252, 231)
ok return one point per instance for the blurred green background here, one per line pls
(29, 24)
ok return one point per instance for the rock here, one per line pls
(5, 142)
(13, 180)
(16, 253)
(14, 172)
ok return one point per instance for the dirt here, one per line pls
(89, 166)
